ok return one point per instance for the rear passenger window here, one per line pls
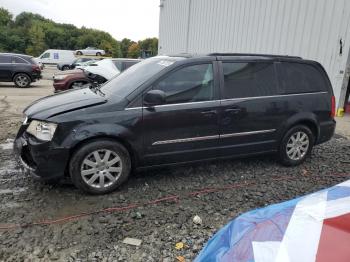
(5, 59)
(249, 79)
(301, 78)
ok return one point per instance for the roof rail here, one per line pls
(247, 54)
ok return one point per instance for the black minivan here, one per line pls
(178, 109)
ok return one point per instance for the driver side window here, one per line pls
(189, 84)
(46, 55)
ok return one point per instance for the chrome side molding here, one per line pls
(201, 138)
(248, 133)
(184, 140)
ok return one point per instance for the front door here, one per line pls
(251, 111)
(185, 128)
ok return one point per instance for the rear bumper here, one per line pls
(41, 159)
(327, 130)
(36, 76)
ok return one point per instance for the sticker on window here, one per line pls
(55, 55)
(165, 63)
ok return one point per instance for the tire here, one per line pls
(98, 54)
(77, 85)
(22, 80)
(86, 159)
(79, 53)
(296, 145)
(65, 67)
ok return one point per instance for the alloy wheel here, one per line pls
(298, 145)
(22, 81)
(101, 168)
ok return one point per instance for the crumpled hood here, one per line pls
(63, 102)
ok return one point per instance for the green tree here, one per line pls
(37, 43)
(149, 45)
(124, 46)
(31, 33)
(5, 17)
(134, 50)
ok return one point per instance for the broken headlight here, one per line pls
(42, 130)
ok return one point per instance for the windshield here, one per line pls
(136, 75)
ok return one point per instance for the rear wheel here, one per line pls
(22, 80)
(296, 145)
(99, 167)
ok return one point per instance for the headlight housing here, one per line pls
(59, 77)
(42, 130)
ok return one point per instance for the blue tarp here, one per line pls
(234, 242)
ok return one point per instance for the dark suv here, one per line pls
(178, 109)
(20, 69)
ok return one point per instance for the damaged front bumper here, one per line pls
(42, 159)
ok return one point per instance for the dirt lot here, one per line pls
(155, 206)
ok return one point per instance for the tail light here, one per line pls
(333, 107)
(36, 68)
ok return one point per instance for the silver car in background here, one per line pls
(90, 51)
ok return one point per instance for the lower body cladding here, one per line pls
(40, 158)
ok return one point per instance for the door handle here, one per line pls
(233, 110)
(209, 112)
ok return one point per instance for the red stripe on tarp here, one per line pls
(335, 240)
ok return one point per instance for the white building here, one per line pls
(313, 29)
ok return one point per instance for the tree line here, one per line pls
(32, 34)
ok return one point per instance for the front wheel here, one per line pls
(78, 85)
(22, 80)
(79, 53)
(98, 54)
(100, 166)
(296, 145)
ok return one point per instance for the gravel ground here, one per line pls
(160, 226)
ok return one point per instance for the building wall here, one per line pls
(311, 29)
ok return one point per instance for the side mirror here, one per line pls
(154, 97)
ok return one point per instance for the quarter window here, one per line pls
(19, 60)
(249, 80)
(188, 84)
(301, 78)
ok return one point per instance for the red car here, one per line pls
(69, 79)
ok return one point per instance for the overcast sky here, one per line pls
(134, 19)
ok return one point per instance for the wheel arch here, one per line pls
(308, 120)
(70, 84)
(123, 142)
(16, 73)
